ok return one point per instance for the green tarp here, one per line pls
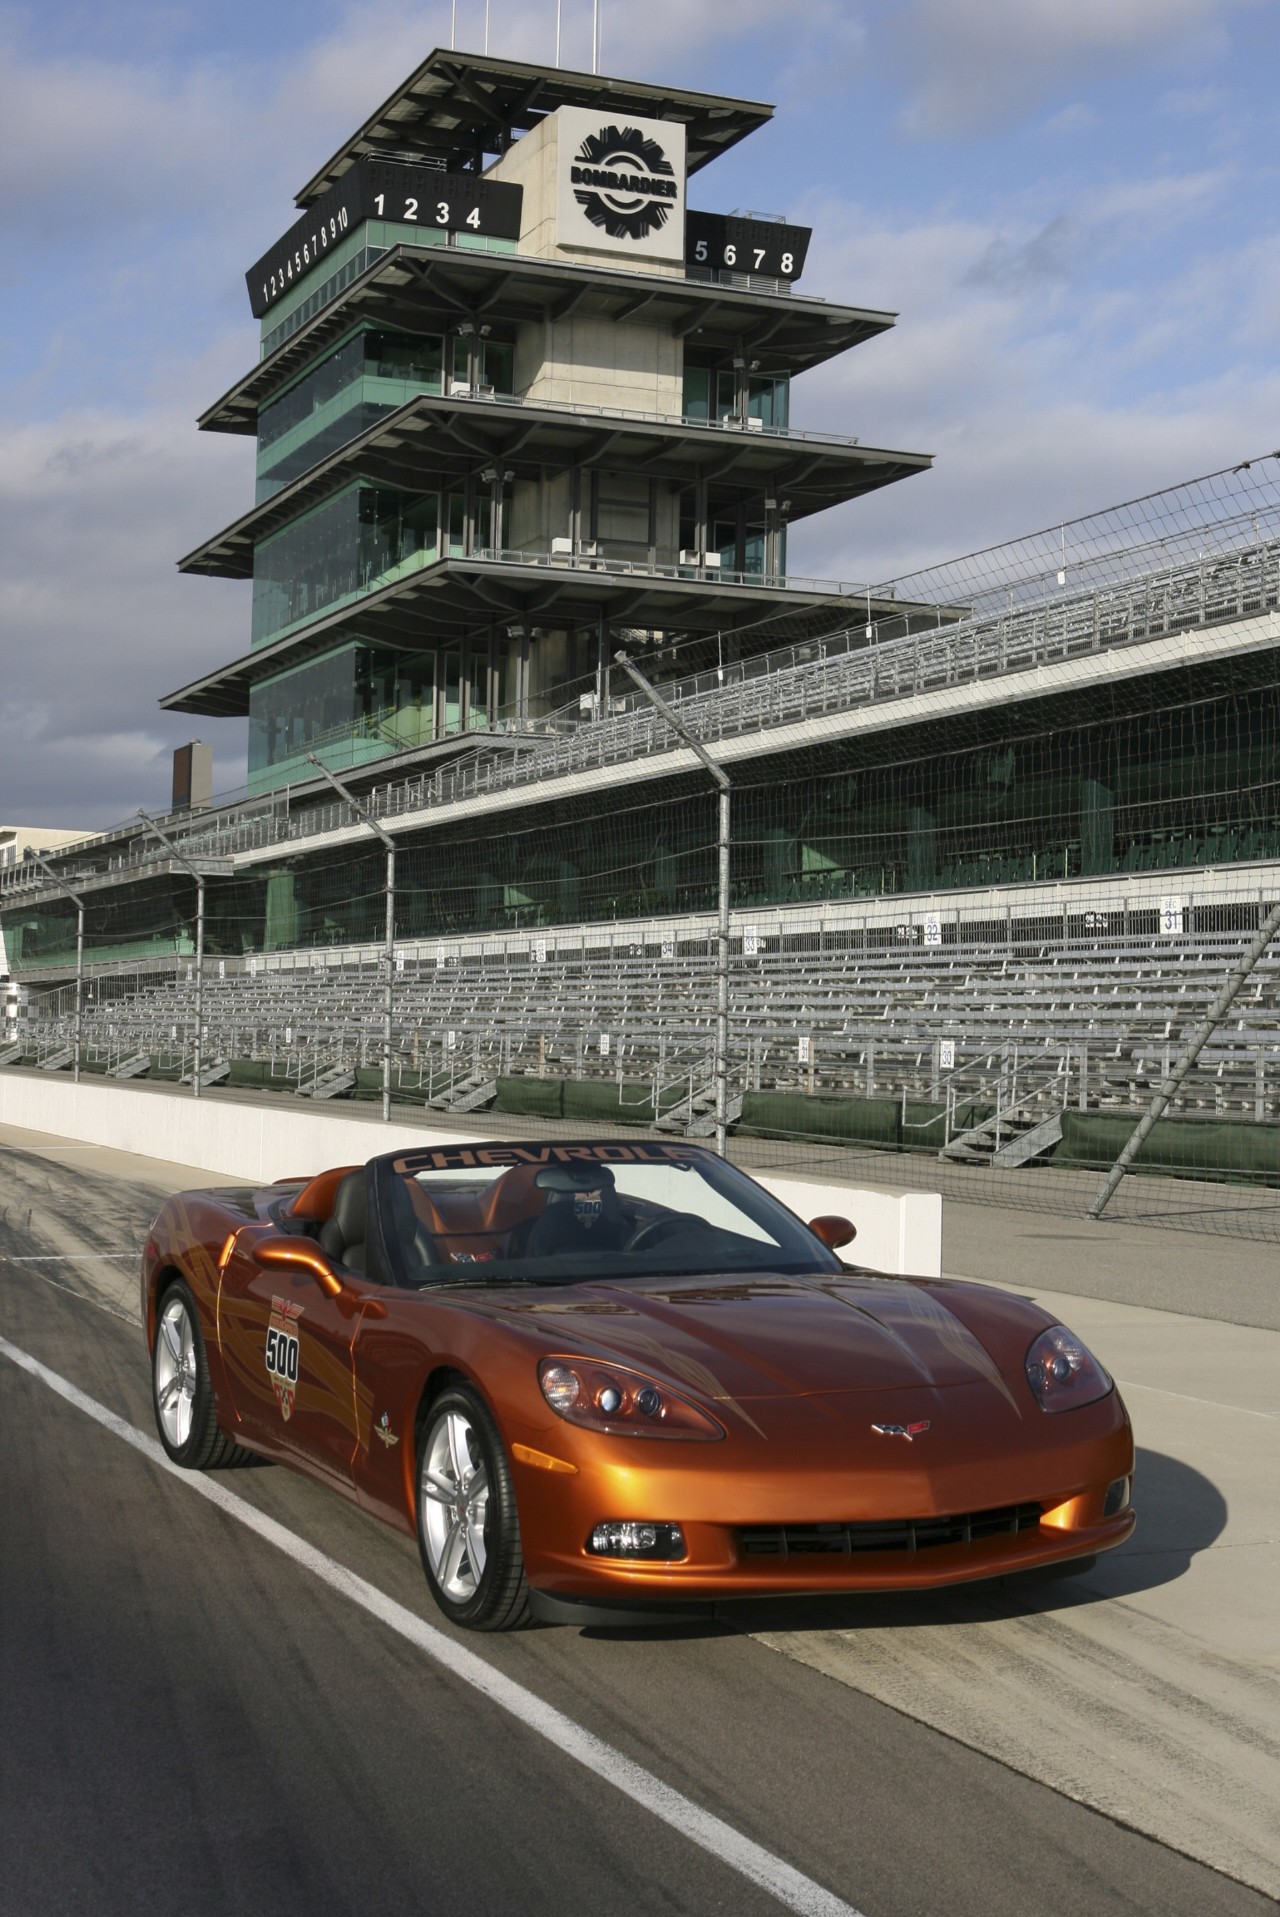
(849, 1121)
(614, 1104)
(531, 1097)
(1186, 1147)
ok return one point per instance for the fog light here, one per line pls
(1117, 1498)
(634, 1538)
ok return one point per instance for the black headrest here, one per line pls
(350, 1209)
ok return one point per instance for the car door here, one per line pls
(287, 1348)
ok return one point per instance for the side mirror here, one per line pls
(300, 1254)
(833, 1231)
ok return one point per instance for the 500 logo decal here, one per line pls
(624, 182)
(283, 1353)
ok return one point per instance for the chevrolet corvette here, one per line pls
(603, 1380)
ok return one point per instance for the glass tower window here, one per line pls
(714, 395)
(363, 539)
(362, 380)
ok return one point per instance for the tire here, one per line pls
(181, 1391)
(468, 1529)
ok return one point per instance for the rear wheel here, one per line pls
(181, 1391)
(468, 1530)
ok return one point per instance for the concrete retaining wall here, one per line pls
(897, 1231)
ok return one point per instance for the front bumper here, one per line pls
(782, 1517)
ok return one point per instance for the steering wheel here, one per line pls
(655, 1230)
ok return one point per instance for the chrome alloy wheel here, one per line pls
(175, 1371)
(454, 1495)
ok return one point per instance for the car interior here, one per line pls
(530, 1222)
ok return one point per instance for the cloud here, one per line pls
(1045, 256)
(967, 66)
(1166, 197)
(1077, 118)
(1189, 103)
(96, 506)
(1035, 411)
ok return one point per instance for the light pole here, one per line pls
(366, 818)
(198, 874)
(725, 787)
(29, 852)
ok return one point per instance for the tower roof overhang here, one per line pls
(434, 442)
(461, 107)
(454, 598)
(417, 289)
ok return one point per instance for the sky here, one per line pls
(1071, 204)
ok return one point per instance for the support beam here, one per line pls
(182, 859)
(389, 953)
(725, 788)
(29, 852)
(1186, 1059)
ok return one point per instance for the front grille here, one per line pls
(884, 1534)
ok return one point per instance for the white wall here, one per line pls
(897, 1231)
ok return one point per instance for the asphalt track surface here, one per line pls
(193, 1719)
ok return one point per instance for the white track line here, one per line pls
(1131, 1384)
(63, 1257)
(790, 1887)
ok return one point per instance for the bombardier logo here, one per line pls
(624, 182)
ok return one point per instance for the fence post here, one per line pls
(364, 817)
(724, 791)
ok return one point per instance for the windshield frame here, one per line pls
(798, 1251)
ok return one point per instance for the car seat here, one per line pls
(342, 1235)
(582, 1213)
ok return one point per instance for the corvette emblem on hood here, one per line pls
(907, 1431)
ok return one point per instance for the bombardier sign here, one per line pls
(620, 184)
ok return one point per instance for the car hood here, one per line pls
(738, 1338)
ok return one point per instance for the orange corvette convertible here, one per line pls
(599, 1380)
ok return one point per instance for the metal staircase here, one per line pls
(213, 1073)
(1018, 1131)
(695, 1116)
(136, 1066)
(330, 1082)
(468, 1095)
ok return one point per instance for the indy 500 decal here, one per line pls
(283, 1353)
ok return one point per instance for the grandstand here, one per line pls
(1000, 831)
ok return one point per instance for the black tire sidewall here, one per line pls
(194, 1454)
(503, 1570)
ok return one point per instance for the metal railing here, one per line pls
(860, 664)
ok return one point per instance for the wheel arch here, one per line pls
(164, 1275)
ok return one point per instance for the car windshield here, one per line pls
(566, 1214)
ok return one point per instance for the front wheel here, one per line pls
(181, 1391)
(468, 1530)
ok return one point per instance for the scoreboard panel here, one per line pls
(375, 189)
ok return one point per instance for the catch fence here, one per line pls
(1006, 1062)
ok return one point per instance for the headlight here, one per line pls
(1062, 1372)
(625, 1404)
